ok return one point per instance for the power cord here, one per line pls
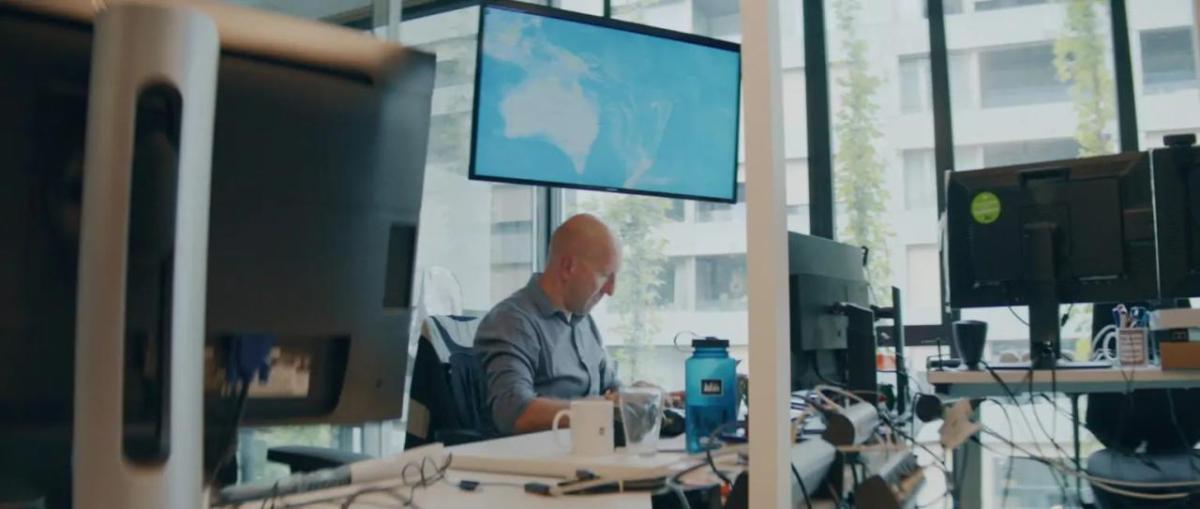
(1109, 485)
(803, 489)
(1009, 469)
(229, 441)
(1013, 397)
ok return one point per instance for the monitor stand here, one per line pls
(1044, 341)
(1045, 350)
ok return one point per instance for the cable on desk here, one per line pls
(424, 480)
(1063, 485)
(800, 481)
(1029, 427)
(1018, 317)
(1109, 485)
(1008, 471)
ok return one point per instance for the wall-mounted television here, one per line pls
(570, 100)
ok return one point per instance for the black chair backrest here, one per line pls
(448, 399)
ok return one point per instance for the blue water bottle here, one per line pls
(711, 392)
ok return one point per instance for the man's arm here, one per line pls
(510, 353)
(539, 415)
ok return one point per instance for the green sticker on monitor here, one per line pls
(985, 208)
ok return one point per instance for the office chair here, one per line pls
(448, 399)
(1149, 436)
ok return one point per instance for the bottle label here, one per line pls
(712, 387)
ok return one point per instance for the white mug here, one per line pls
(591, 427)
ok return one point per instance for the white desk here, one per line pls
(443, 495)
(1069, 381)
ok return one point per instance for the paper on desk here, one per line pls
(537, 454)
(445, 496)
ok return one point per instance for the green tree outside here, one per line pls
(1080, 57)
(859, 182)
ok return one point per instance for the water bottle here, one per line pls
(711, 392)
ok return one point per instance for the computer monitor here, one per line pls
(572, 100)
(1042, 234)
(1177, 211)
(832, 325)
(317, 173)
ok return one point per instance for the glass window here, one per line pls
(948, 7)
(707, 212)
(666, 286)
(920, 186)
(922, 303)
(1167, 100)
(1019, 76)
(721, 282)
(988, 5)
(916, 86)
(676, 211)
(1020, 152)
(593, 7)
(499, 216)
(1167, 59)
(872, 130)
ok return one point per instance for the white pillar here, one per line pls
(766, 258)
(137, 45)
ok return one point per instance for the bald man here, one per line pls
(541, 348)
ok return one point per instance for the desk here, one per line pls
(973, 384)
(444, 495)
(980, 384)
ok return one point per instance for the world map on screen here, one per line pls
(577, 104)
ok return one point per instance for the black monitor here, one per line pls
(1177, 204)
(317, 175)
(1037, 235)
(832, 325)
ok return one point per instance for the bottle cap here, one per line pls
(710, 342)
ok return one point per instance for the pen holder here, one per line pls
(1133, 346)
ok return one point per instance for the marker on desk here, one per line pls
(354, 473)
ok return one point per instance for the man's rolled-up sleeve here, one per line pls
(510, 351)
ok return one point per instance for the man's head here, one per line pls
(584, 260)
